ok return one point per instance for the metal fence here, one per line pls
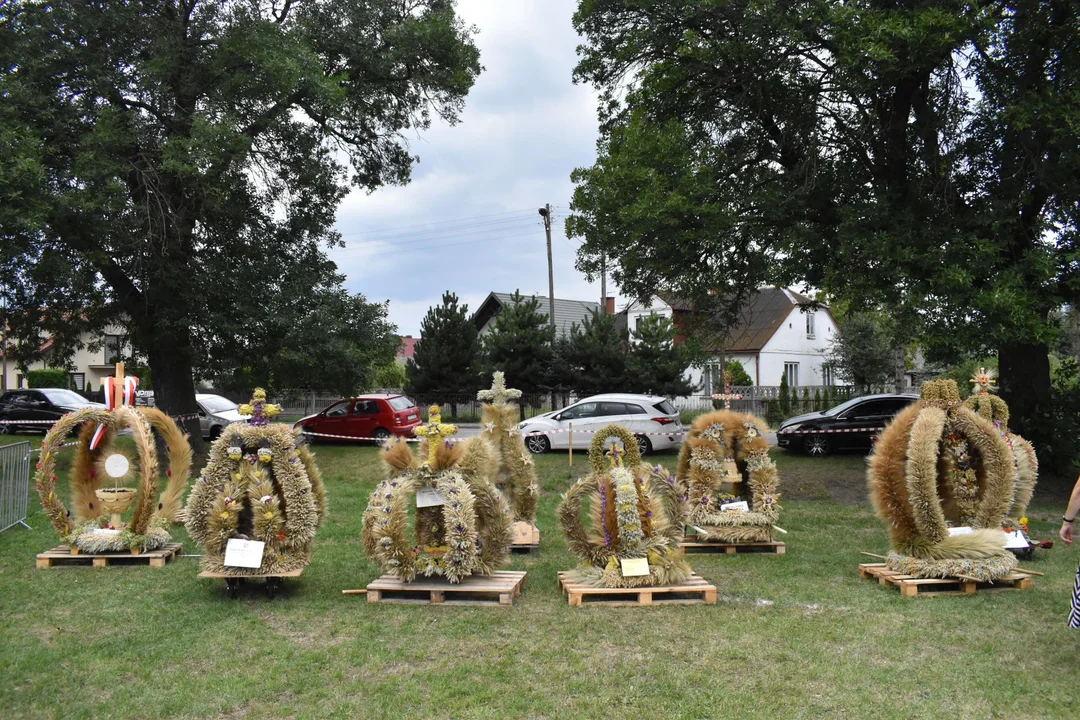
(765, 401)
(14, 484)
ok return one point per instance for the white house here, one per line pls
(777, 334)
(92, 362)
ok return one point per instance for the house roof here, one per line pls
(759, 318)
(407, 348)
(567, 312)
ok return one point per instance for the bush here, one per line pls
(1056, 430)
(785, 397)
(52, 378)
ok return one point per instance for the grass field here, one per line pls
(794, 636)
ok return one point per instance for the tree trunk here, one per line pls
(898, 367)
(170, 354)
(1024, 370)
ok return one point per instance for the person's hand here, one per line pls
(1066, 533)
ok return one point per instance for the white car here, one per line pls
(653, 420)
(215, 412)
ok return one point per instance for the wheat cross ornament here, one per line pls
(434, 429)
(499, 394)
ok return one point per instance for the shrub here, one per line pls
(52, 378)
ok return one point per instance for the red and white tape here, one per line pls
(457, 439)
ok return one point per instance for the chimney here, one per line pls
(609, 306)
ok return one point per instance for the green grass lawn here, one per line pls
(793, 636)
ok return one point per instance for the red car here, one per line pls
(367, 416)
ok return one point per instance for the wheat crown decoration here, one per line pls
(462, 527)
(725, 459)
(261, 483)
(635, 512)
(938, 464)
(516, 474)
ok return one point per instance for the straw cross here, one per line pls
(499, 394)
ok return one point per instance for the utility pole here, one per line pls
(545, 212)
(603, 283)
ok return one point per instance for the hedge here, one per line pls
(48, 379)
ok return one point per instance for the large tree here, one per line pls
(915, 156)
(178, 163)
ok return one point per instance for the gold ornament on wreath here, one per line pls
(95, 523)
(463, 525)
(939, 463)
(725, 459)
(635, 512)
(261, 483)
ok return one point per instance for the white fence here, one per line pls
(14, 484)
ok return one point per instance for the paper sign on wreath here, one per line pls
(243, 553)
(429, 497)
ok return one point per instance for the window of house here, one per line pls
(791, 371)
(114, 345)
(810, 324)
(827, 375)
(78, 380)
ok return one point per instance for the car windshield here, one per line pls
(58, 396)
(216, 404)
(833, 411)
(401, 403)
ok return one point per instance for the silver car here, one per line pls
(215, 412)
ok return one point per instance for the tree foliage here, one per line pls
(521, 345)
(656, 364)
(177, 165)
(861, 352)
(447, 355)
(916, 156)
(594, 356)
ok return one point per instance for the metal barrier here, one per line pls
(14, 484)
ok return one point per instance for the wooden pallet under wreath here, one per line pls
(692, 591)
(928, 587)
(63, 557)
(499, 589)
(692, 544)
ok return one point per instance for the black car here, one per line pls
(850, 425)
(44, 404)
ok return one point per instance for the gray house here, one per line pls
(567, 312)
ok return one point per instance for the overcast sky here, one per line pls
(467, 222)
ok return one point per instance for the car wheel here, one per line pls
(816, 445)
(644, 446)
(380, 434)
(6, 429)
(537, 444)
(215, 433)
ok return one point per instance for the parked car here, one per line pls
(850, 425)
(37, 405)
(640, 414)
(215, 412)
(366, 416)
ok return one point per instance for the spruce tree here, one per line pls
(520, 345)
(785, 397)
(656, 364)
(445, 357)
(595, 356)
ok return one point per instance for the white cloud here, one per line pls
(525, 127)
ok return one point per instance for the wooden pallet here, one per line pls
(62, 557)
(691, 544)
(498, 589)
(693, 591)
(928, 587)
(273, 582)
(525, 548)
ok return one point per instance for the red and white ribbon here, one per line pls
(130, 383)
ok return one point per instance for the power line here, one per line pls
(413, 250)
(467, 220)
(443, 232)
